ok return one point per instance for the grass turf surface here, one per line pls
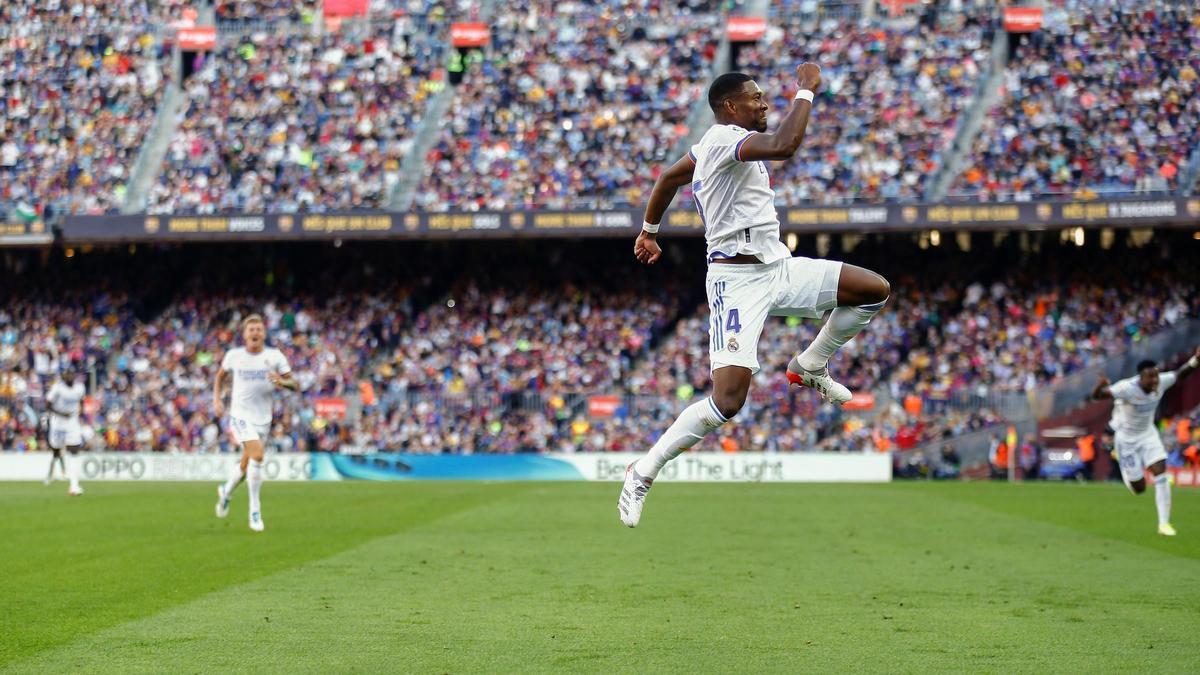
(520, 577)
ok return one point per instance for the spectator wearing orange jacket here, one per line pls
(998, 458)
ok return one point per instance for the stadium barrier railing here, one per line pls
(1010, 405)
(972, 448)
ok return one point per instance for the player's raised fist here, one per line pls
(646, 249)
(809, 76)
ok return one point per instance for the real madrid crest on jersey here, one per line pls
(732, 344)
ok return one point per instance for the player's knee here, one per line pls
(1138, 487)
(878, 290)
(729, 402)
(861, 287)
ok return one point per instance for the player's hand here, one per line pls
(219, 408)
(274, 378)
(808, 75)
(646, 249)
(1102, 382)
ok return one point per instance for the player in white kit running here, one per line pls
(1139, 446)
(256, 371)
(751, 274)
(65, 401)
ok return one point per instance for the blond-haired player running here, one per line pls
(256, 370)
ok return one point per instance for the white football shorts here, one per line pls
(243, 431)
(1137, 452)
(741, 297)
(65, 432)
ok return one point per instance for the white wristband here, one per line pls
(652, 228)
(805, 94)
(1194, 362)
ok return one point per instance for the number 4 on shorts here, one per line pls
(733, 323)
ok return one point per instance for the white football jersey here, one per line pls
(251, 397)
(734, 198)
(66, 401)
(1133, 408)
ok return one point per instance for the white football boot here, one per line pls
(256, 522)
(222, 501)
(819, 380)
(633, 496)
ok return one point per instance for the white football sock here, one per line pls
(692, 425)
(1162, 497)
(50, 474)
(254, 479)
(72, 464)
(841, 326)
(235, 479)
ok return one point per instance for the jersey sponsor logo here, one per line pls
(256, 374)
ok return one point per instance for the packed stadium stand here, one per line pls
(1102, 101)
(79, 87)
(291, 121)
(238, 11)
(499, 347)
(893, 97)
(572, 105)
(568, 109)
(505, 353)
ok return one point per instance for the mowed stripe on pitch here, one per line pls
(1114, 513)
(718, 578)
(128, 550)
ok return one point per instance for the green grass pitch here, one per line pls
(528, 577)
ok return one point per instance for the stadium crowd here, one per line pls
(569, 106)
(576, 104)
(287, 121)
(79, 87)
(1102, 100)
(238, 11)
(891, 99)
(509, 358)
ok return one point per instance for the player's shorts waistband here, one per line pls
(742, 268)
(247, 420)
(1138, 435)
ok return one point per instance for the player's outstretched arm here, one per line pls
(1189, 366)
(786, 140)
(1102, 390)
(646, 249)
